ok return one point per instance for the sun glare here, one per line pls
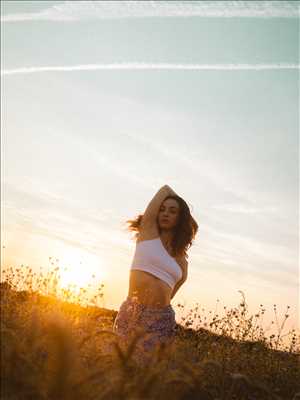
(80, 269)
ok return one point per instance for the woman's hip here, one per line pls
(133, 314)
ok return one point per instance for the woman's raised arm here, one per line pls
(153, 207)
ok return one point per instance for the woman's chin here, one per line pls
(165, 227)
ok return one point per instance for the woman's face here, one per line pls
(168, 214)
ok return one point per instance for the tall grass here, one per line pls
(56, 344)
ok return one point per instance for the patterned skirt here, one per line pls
(157, 325)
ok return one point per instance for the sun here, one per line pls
(80, 268)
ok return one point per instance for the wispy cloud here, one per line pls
(243, 209)
(71, 11)
(208, 173)
(46, 213)
(149, 66)
(250, 248)
(248, 256)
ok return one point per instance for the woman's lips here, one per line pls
(165, 220)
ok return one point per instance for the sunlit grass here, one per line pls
(58, 343)
(50, 284)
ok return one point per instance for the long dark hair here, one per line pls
(184, 231)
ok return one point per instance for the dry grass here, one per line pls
(54, 346)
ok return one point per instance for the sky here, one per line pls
(105, 102)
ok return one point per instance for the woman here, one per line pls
(159, 268)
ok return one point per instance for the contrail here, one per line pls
(150, 66)
(70, 11)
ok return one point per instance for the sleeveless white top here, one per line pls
(151, 256)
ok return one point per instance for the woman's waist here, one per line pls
(149, 289)
(149, 303)
(142, 279)
(155, 301)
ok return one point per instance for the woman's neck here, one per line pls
(166, 237)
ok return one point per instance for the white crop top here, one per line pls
(151, 256)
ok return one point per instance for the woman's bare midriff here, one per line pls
(149, 289)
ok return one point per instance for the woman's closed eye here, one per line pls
(172, 212)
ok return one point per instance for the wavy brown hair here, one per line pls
(184, 231)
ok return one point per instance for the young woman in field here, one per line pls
(164, 233)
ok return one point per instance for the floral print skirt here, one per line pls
(157, 325)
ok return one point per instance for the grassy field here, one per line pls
(55, 346)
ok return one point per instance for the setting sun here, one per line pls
(80, 269)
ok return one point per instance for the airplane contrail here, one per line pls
(72, 11)
(150, 66)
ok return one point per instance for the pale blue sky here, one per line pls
(83, 150)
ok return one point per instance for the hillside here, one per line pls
(54, 349)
